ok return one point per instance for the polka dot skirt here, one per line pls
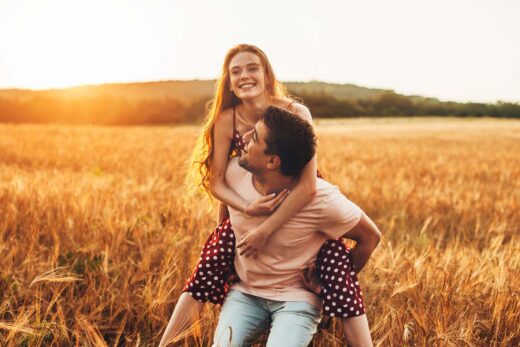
(340, 289)
(215, 269)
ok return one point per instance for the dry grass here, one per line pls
(96, 245)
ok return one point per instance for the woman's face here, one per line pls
(247, 75)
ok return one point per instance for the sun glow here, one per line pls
(57, 44)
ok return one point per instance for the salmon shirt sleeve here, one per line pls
(338, 214)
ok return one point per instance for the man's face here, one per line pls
(253, 158)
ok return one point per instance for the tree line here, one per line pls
(107, 109)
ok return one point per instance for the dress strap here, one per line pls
(234, 127)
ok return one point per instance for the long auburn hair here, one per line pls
(200, 168)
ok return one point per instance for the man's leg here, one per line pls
(357, 332)
(241, 318)
(294, 323)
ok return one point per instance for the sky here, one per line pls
(460, 50)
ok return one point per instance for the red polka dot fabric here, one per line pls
(215, 270)
(340, 289)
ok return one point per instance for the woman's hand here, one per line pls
(253, 241)
(310, 279)
(266, 204)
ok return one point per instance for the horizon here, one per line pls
(284, 82)
(438, 50)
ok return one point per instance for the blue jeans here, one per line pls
(243, 316)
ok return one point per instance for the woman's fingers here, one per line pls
(280, 198)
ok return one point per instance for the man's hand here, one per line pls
(253, 241)
(266, 204)
(310, 279)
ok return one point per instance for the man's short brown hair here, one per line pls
(291, 138)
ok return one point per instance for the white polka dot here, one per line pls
(229, 250)
(332, 261)
(355, 301)
(220, 241)
(333, 303)
(328, 268)
(357, 312)
(327, 308)
(337, 287)
(325, 260)
(207, 265)
(352, 308)
(335, 270)
(336, 254)
(215, 257)
(328, 252)
(198, 294)
(349, 299)
(224, 234)
(332, 314)
(328, 297)
(357, 283)
(340, 279)
(341, 297)
(352, 273)
(339, 309)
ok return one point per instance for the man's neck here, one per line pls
(272, 182)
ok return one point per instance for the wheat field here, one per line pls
(97, 237)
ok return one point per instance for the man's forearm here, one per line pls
(361, 253)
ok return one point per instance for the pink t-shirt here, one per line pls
(275, 273)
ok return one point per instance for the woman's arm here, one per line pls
(222, 137)
(300, 196)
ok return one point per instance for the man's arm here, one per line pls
(367, 237)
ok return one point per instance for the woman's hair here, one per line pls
(201, 160)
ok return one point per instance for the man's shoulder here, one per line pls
(324, 190)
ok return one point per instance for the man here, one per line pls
(271, 292)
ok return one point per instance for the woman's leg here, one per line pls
(356, 331)
(186, 313)
(208, 282)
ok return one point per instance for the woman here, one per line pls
(246, 87)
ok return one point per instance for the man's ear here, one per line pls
(274, 162)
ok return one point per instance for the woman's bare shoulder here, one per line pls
(224, 122)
